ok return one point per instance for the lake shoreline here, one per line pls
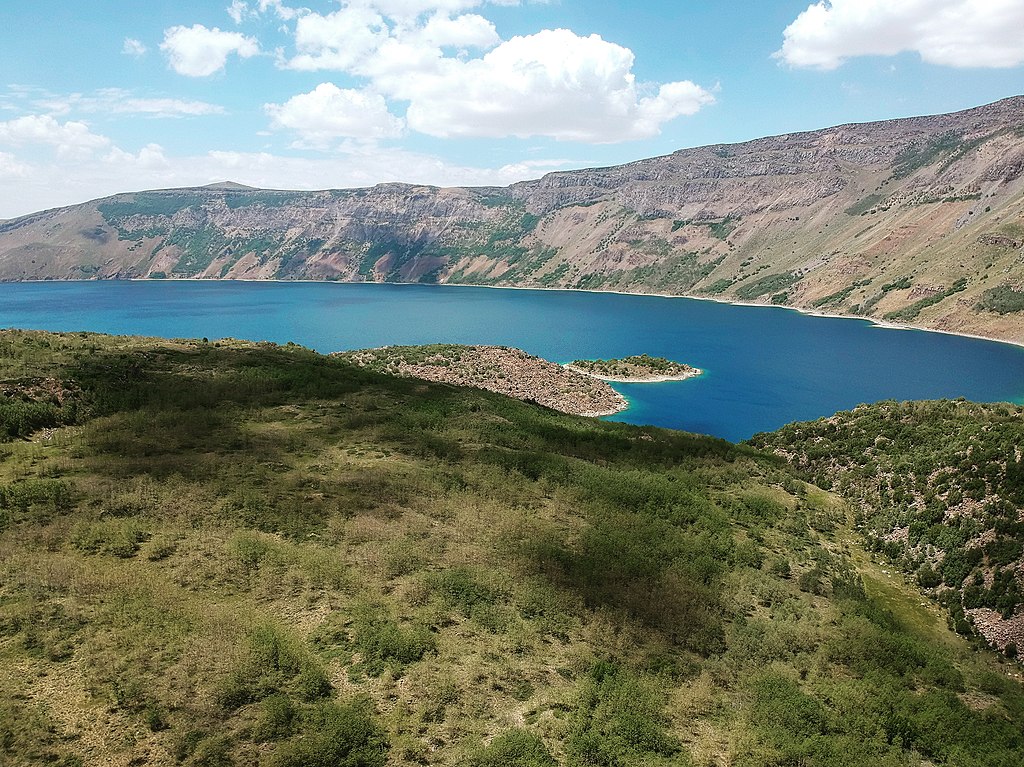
(800, 310)
(769, 368)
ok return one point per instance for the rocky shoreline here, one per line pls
(500, 369)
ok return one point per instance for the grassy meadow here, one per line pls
(228, 553)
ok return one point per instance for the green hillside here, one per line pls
(939, 488)
(245, 554)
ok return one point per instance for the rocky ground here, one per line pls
(499, 369)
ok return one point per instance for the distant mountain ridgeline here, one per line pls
(917, 221)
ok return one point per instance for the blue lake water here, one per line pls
(764, 366)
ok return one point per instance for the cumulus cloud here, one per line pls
(328, 113)
(150, 157)
(338, 40)
(954, 33)
(69, 139)
(554, 84)
(199, 52)
(133, 47)
(466, 31)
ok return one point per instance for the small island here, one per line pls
(499, 369)
(641, 368)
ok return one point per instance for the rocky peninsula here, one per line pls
(499, 369)
(641, 368)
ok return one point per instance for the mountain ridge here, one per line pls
(916, 221)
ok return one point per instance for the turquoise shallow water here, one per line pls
(764, 366)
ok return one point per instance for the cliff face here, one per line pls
(918, 221)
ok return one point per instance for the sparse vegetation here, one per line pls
(933, 149)
(637, 367)
(937, 485)
(1002, 299)
(840, 295)
(237, 553)
(910, 313)
(767, 284)
(863, 205)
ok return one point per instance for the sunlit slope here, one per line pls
(240, 553)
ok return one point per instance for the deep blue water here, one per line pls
(764, 366)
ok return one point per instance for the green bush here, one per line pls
(335, 735)
(460, 587)
(274, 662)
(382, 643)
(276, 720)
(770, 283)
(1002, 300)
(515, 748)
(619, 720)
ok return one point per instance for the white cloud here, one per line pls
(199, 52)
(468, 30)
(13, 168)
(554, 84)
(238, 10)
(954, 33)
(329, 112)
(338, 40)
(283, 12)
(133, 47)
(120, 101)
(411, 9)
(71, 139)
(150, 157)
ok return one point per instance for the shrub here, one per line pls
(274, 663)
(335, 736)
(384, 644)
(460, 588)
(618, 720)
(515, 748)
(277, 719)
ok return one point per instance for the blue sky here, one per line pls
(118, 95)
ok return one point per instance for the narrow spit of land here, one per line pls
(642, 368)
(499, 369)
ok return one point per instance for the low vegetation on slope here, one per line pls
(640, 367)
(232, 553)
(939, 488)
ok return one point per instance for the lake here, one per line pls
(765, 366)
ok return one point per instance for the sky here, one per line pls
(108, 96)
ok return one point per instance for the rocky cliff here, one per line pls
(917, 221)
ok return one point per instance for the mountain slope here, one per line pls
(916, 221)
(236, 553)
(939, 488)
